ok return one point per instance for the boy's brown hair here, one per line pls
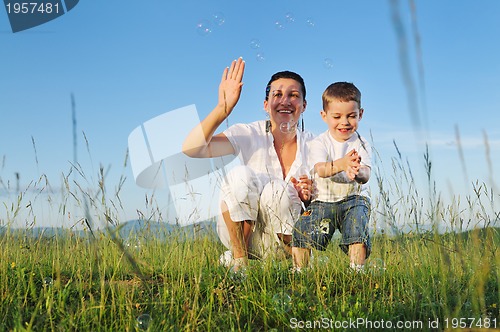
(342, 91)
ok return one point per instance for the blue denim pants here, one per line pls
(318, 223)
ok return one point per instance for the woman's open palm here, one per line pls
(230, 85)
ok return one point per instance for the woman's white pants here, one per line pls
(273, 205)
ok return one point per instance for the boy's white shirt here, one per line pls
(325, 148)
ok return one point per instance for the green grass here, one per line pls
(71, 283)
(417, 274)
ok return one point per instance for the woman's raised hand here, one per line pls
(230, 85)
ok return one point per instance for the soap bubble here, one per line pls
(287, 127)
(260, 57)
(133, 244)
(328, 63)
(279, 25)
(204, 27)
(282, 301)
(239, 275)
(380, 230)
(255, 44)
(219, 18)
(289, 18)
(310, 22)
(143, 321)
(376, 265)
(47, 281)
(322, 260)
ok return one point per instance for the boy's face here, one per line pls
(342, 119)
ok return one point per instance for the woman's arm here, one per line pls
(201, 141)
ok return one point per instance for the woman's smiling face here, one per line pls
(286, 102)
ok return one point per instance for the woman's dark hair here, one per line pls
(286, 74)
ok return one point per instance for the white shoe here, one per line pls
(357, 268)
(237, 265)
(226, 259)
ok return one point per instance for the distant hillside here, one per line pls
(488, 233)
(46, 232)
(132, 228)
(163, 230)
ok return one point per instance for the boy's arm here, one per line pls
(327, 169)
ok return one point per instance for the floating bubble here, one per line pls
(143, 321)
(255, 44)
(289, 17)
(328, 63)
(310, 22)
(204, 27)
(304, 170)
(260, 57)
(287, 127)
(322, 260)
(219, 18)
(47, 281)
(279, 25)
(133, 244)
(376, 265)
(239, 275)
(282, 301)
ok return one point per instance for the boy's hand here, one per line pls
(352, 172)
(303, 186)
(351, 164)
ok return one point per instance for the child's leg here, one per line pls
(357, 254)
(314, 229)
(301, 257)
(354, 228)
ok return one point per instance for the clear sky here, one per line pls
(425, 74)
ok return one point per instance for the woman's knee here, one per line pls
(277, 191)
(240, 180)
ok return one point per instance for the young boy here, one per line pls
(340, 198)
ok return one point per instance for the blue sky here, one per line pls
(127, 62)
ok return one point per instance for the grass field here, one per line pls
(418, 277)
(73, 283)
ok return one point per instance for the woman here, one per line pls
(262, 198)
